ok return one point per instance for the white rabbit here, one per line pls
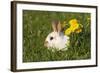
(57, 39)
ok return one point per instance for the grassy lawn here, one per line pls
(36, 27)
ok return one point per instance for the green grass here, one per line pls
(37, 25)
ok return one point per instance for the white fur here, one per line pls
(59, 42)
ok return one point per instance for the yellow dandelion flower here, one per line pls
(68, 31)
(79, 30)
(74, 27)
(72, 22)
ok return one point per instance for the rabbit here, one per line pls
(56, 39)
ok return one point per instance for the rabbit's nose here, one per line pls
(45, 43)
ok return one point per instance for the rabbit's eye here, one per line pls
(51, 38)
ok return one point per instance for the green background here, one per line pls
(36, 27)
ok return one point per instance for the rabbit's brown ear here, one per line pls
(59, 27)
(54, 25)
